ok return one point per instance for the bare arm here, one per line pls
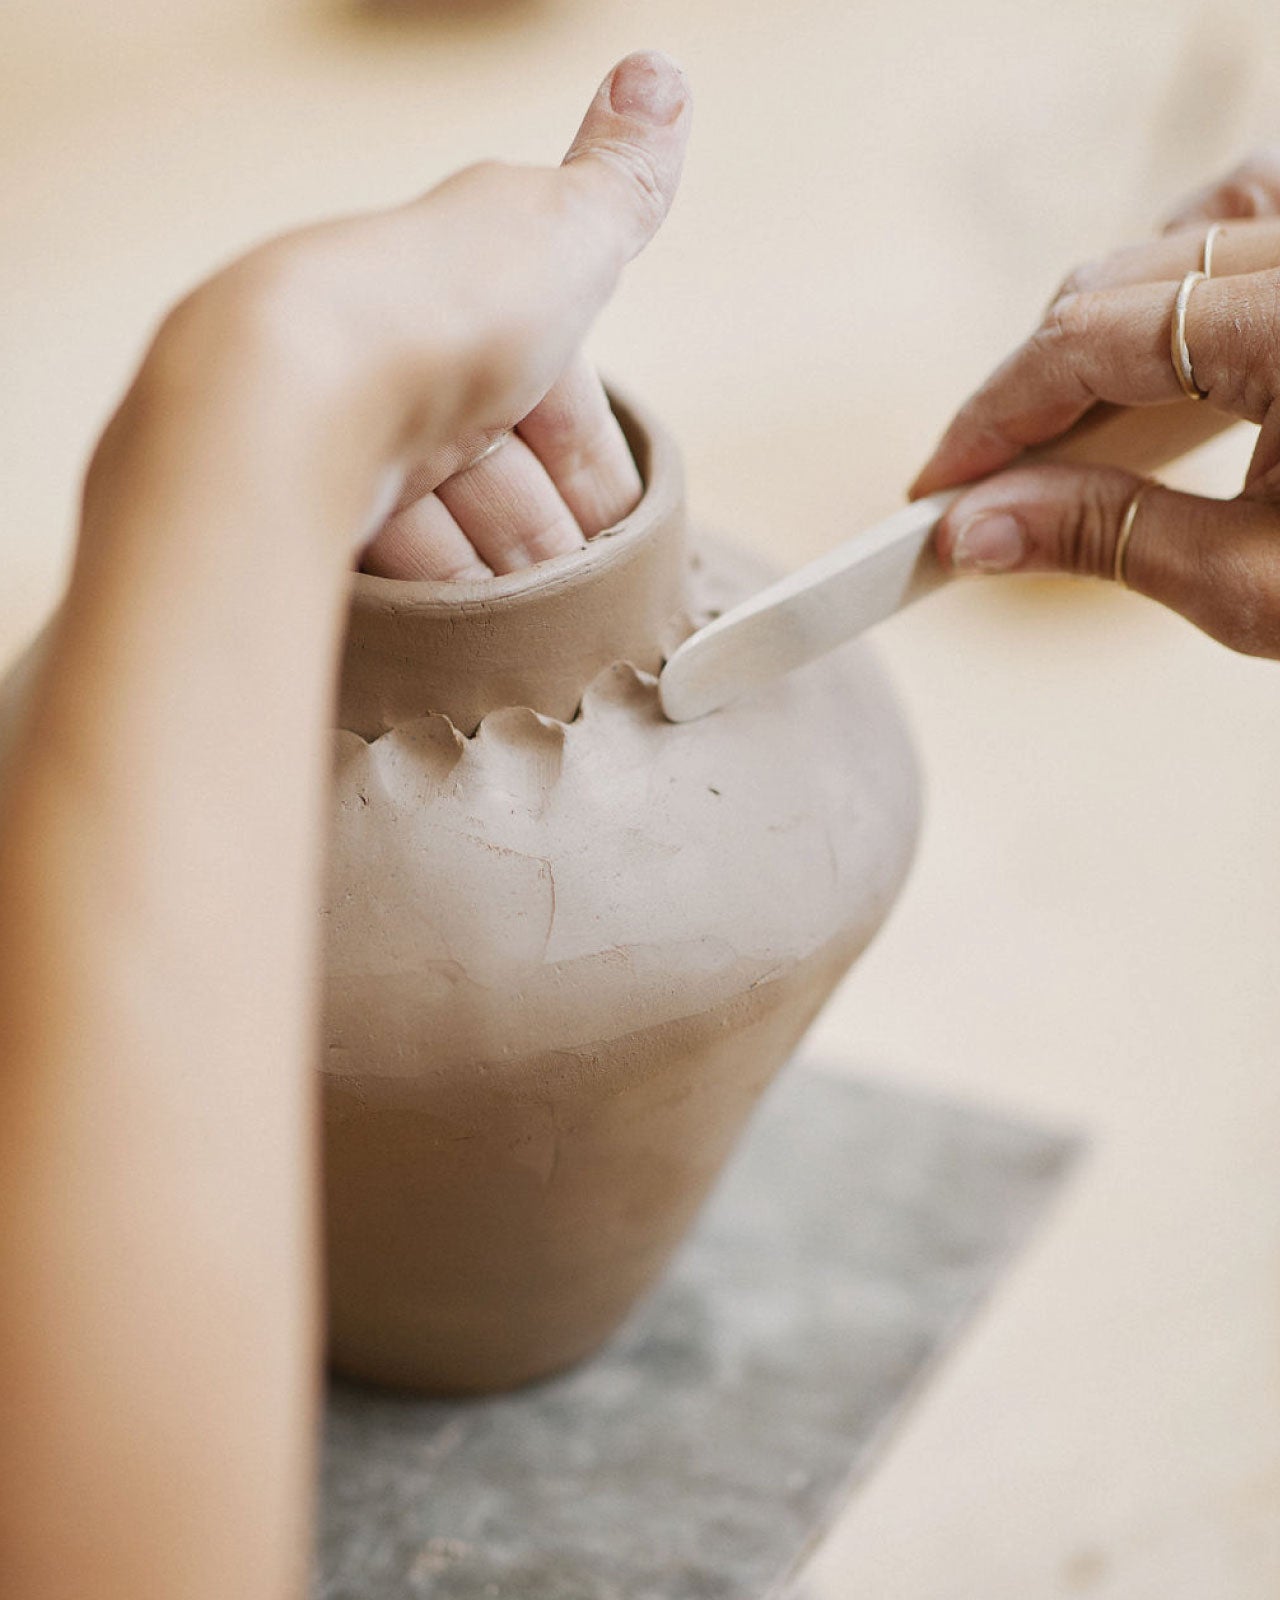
(160, 846)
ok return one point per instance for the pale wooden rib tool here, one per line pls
(885, 567)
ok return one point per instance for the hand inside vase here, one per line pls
(561, 476)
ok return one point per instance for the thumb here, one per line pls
(626, 157)
(1217, 562)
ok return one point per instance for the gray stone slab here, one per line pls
(705, 1451)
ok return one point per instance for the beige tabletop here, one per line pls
(880, 197)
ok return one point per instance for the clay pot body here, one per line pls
(569, 943)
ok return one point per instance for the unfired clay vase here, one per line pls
(569, 943)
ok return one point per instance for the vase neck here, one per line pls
(533, 638)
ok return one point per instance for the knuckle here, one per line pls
(639, 175)
(290, 291)
(489, 171)
(1084, 538)
(559, 422)
(1252, 187)
(1062, 350)
(555, 537)
(1268, 320)
(1247, 333)
(501, 182)
(1053, 348)
(578, 441)
(991, 436)
(1066, 324)
(276, 304)
(1080, 280)
(1243, 584)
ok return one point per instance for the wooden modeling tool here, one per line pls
(887, 566)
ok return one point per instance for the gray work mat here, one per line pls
(703, 1452)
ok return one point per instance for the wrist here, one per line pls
(252, 395)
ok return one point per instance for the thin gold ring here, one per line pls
(1126, 530)
(1178, 350)
(490, 449)
(1206, 256)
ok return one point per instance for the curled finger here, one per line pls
(1251, 189)
(1240, 247)
(575, 435)
(510, 510)
(1114, 345)
(423, 542)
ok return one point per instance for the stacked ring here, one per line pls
(1178, 350)
(1206, 257)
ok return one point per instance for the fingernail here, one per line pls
(649, 86)
(993, 542)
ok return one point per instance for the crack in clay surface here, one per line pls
(569, 943)
(507, 862)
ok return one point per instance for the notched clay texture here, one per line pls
(560, 868)
(569, 943)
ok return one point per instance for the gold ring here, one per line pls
(1126, 530)
(1178, 350)
(490, 449)
(1206, 256)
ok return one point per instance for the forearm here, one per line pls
(159, 858)
(160, 825)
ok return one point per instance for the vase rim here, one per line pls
(532, 638)
(658, 461)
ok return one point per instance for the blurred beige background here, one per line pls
(880, 198)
